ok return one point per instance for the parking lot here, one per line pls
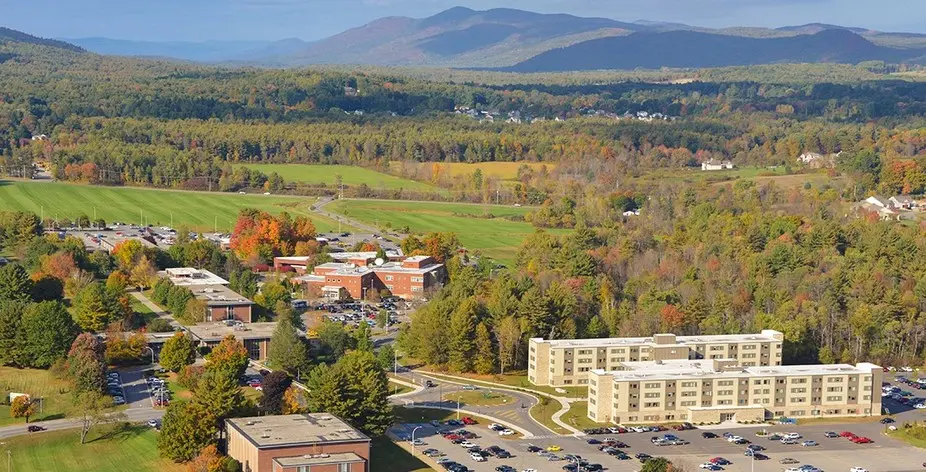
(830, 453)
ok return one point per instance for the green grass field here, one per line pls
(197, 210)
(577, 416)
(495, 237)
(387, 456)
(350, 175)
(38, 384)
(134, 448)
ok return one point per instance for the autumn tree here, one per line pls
(229, 358)
(85, 365)
(178, 352)
(23, 407)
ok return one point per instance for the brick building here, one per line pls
(222, 303)
(411, 277)
(254, 336)
(315, 442)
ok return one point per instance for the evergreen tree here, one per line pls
(485, 355)
(218, 396)
(49, 332)
(274, 387)
(596, 328)
(386, 357)
(15, 284)
(287, 350)
(363, 340)
(12, 349)
(356, 389)
(462, 334)
(535, 308)
(178, 351)
(334, 339)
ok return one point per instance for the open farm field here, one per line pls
(479, 227)
(350, 175)
(499, 170)
(200, 211)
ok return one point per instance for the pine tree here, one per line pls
(462, 331)
(485, 355)
(90, 308)
(49, 331)
(184, 433)
(363, 340)
(596, 328)
(287, 350)
(535, 308)
(15, 284)
(218, 396)
(178, 352)
(12, 350)
(356, 389)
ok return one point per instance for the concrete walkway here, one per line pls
(157, 310)
(416, 389)
(563, 402)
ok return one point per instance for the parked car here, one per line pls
(34, 428)
(788, 460)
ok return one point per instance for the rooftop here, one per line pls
(317, 459)
(676, 370)
(295, 430)
(396, 267)
(219, 295)
(765, 336)
(188, 276)
(343, 256)
(218, 331)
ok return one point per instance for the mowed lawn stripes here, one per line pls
(196, 210)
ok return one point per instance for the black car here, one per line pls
(592, 441)
(887, 420)
(708, 435)
(755, 447)
(505, 468)
(592, 467)
(643, 457)
(448, 465)
(534, 448)
(503, 454)
(429, 384)
(34, 428)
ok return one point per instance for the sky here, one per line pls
(202, 20)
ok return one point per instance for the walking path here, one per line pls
(563, 402)
(157, 310)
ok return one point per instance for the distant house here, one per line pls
(809, 157)
(903, 201)
(877, 201)
(350, 92)
(715, 164)
(39, 137)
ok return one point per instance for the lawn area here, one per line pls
(543, 413)
(114, 450)
(518, 380)
(915, 435)
(577, 416)
(696, 175)
(350, 175)
(397, 389)
(479, 227)
(386, 456)
(200, 211)
(55, 393)
(479, 398)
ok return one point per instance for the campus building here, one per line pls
(222, 303)
(715, 390)
(315, 442)
(254, 336)
(568, 361)
(409, 278)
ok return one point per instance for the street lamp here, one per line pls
(152, 353)
(413, 439)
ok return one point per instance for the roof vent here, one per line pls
(250, 423)
(265, 434)
(323, 456)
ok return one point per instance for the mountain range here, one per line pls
(518, 40)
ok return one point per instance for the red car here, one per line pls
(861, 440)
(719, 461)
(453, 436)
(468, 421)
(846, 434)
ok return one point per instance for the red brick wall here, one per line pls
(220, 313)
(266, 456)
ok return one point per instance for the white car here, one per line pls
(734, 439)
(506, 432)
(467, 445)
(496, 427)
(919, 406)
(529, 470)
(638, 429)
(417, 442)
(477, 457)
(792, 436)
(793, 469)
(858, 469)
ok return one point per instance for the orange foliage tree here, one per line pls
(261, 236)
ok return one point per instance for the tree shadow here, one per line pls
(120, 432)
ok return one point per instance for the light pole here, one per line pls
(413, 439)
(152, 353)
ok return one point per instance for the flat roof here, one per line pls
(396, 268)
(340, 256)
(317, 459)
(189, 276)
(295, 430)
(764, 336)
(219, 295)
(669, 370)
(218, 330)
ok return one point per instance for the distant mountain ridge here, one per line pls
(696, 49)
(523, 40)
(7, 34)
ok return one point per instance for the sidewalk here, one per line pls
(563, 402)
(156, 309)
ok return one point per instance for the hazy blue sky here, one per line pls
(197, 20)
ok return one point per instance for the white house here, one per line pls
(809, 157)
(877, 201)
(714, 164)
(903, 201)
